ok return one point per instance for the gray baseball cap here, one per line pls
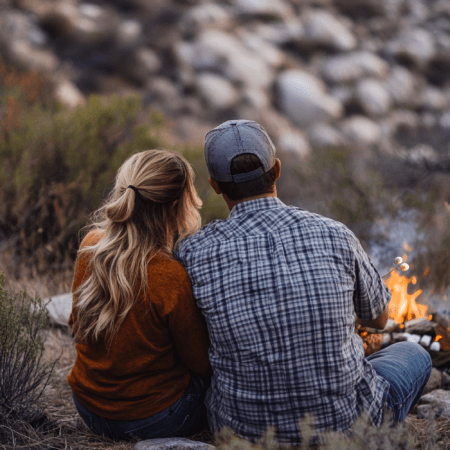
(233, 138)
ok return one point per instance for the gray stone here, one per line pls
(276, 9)
(59, 308)
(270, 53)
(139, 65)
(422, 155)
(206, 15)
(325, 135)
(322, 28)
(362, 130)
(280, 33)
(217, 91)
(401, 85)
(373, 97)
(445, 381)
(343, 68)
(304, 99)
(68, 94)
(25, 53)
(18, 26)
(439, 401)
(434, 382)
(433, 98)
(129, 32)
(172, 444)
(255, 98)
(420, 326)
(294, 143)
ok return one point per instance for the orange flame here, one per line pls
(438, 338)
(403, 306)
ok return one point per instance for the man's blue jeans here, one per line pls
(185, 417)
(406, 366)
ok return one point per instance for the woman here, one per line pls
(142, 367)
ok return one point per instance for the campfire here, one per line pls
(409, 320)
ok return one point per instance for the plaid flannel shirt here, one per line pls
(279, 288)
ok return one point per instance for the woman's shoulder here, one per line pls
(169, 271)
(92, 238)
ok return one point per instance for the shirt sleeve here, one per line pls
(371, 295)
(190, 333)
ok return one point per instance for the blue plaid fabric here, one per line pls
(279, 288)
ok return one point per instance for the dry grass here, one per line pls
(65, 430)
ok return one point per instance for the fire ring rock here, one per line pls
(172, 444)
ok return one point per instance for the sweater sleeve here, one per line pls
(189, 331)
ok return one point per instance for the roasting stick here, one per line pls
(399, 265)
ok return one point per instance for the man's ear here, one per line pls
(277, 167)
(214, 185)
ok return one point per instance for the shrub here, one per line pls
(23, 376)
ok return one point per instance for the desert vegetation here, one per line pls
(57, 164)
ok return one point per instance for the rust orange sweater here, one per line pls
(146, 369)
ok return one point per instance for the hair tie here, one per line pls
(134, 189)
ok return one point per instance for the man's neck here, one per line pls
(232, 203)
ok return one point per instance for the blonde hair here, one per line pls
(135, 226)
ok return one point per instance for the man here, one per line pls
(280, 289)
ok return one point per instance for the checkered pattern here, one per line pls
(279, 288)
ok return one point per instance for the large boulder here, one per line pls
(303, 98)
(172, 444)
(221, 52)
(401, 85)
(206, 15)
(437, 402)
(344, 68)
(266, 9)
(68, 94)
(294, 143)
(325, 135)
(362, 130)
(323, 29)
(59, 308)
(373, 97)
(280, 33)
(217, 91)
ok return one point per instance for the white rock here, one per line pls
(417, 43)
(278, 9)
(433, 98)
(59, 308)
(435, 346)
(439, 400)
(362, 130)
(255, 98)
(373, 97)
(206, 15)
(343, 68)
(425, 341)
(172, 444)
(294, 143)
(324, 135)
(304, 99)
(444, 121)
(218, 92)
(401, 85)
(219, 51)
(20, 27)
(322, 28)
(129, 32)
(280, 33)
(422, 155)
(34, 58)
(414, 338)
(68, 94)
(148, 60)
(91, 11)
(265, 50)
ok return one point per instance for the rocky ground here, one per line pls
(367, 73)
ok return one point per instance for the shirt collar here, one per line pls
(255, 205)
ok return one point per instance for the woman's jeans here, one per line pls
(406, 366)
(185, 417)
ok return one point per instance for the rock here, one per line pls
(294, 143)
(428, 120)
(439, 401)
(325, 135)
(129, 33)
(362, 130)
(224, 53)
(422, 155)
(355, 7)
(344, 68)
(401, 85)
(303, 98)
(280, 33)
(217, 91)
(433, 98)
(59, 308)
(373, 97)
(18, 26)
(206, 15)
(172, 444)
(445, 381)
(68, 94)
(265, 50)
(33, 58)
(323, 29)
(434, 381)
(420, 326)
(417, 44)
(391, 326)
(163, 91)
(268, 9)
(444, 121)
(255, 98)
(418, 11)
(140, 65)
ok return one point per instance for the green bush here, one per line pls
(56, 166)
(23, 376)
